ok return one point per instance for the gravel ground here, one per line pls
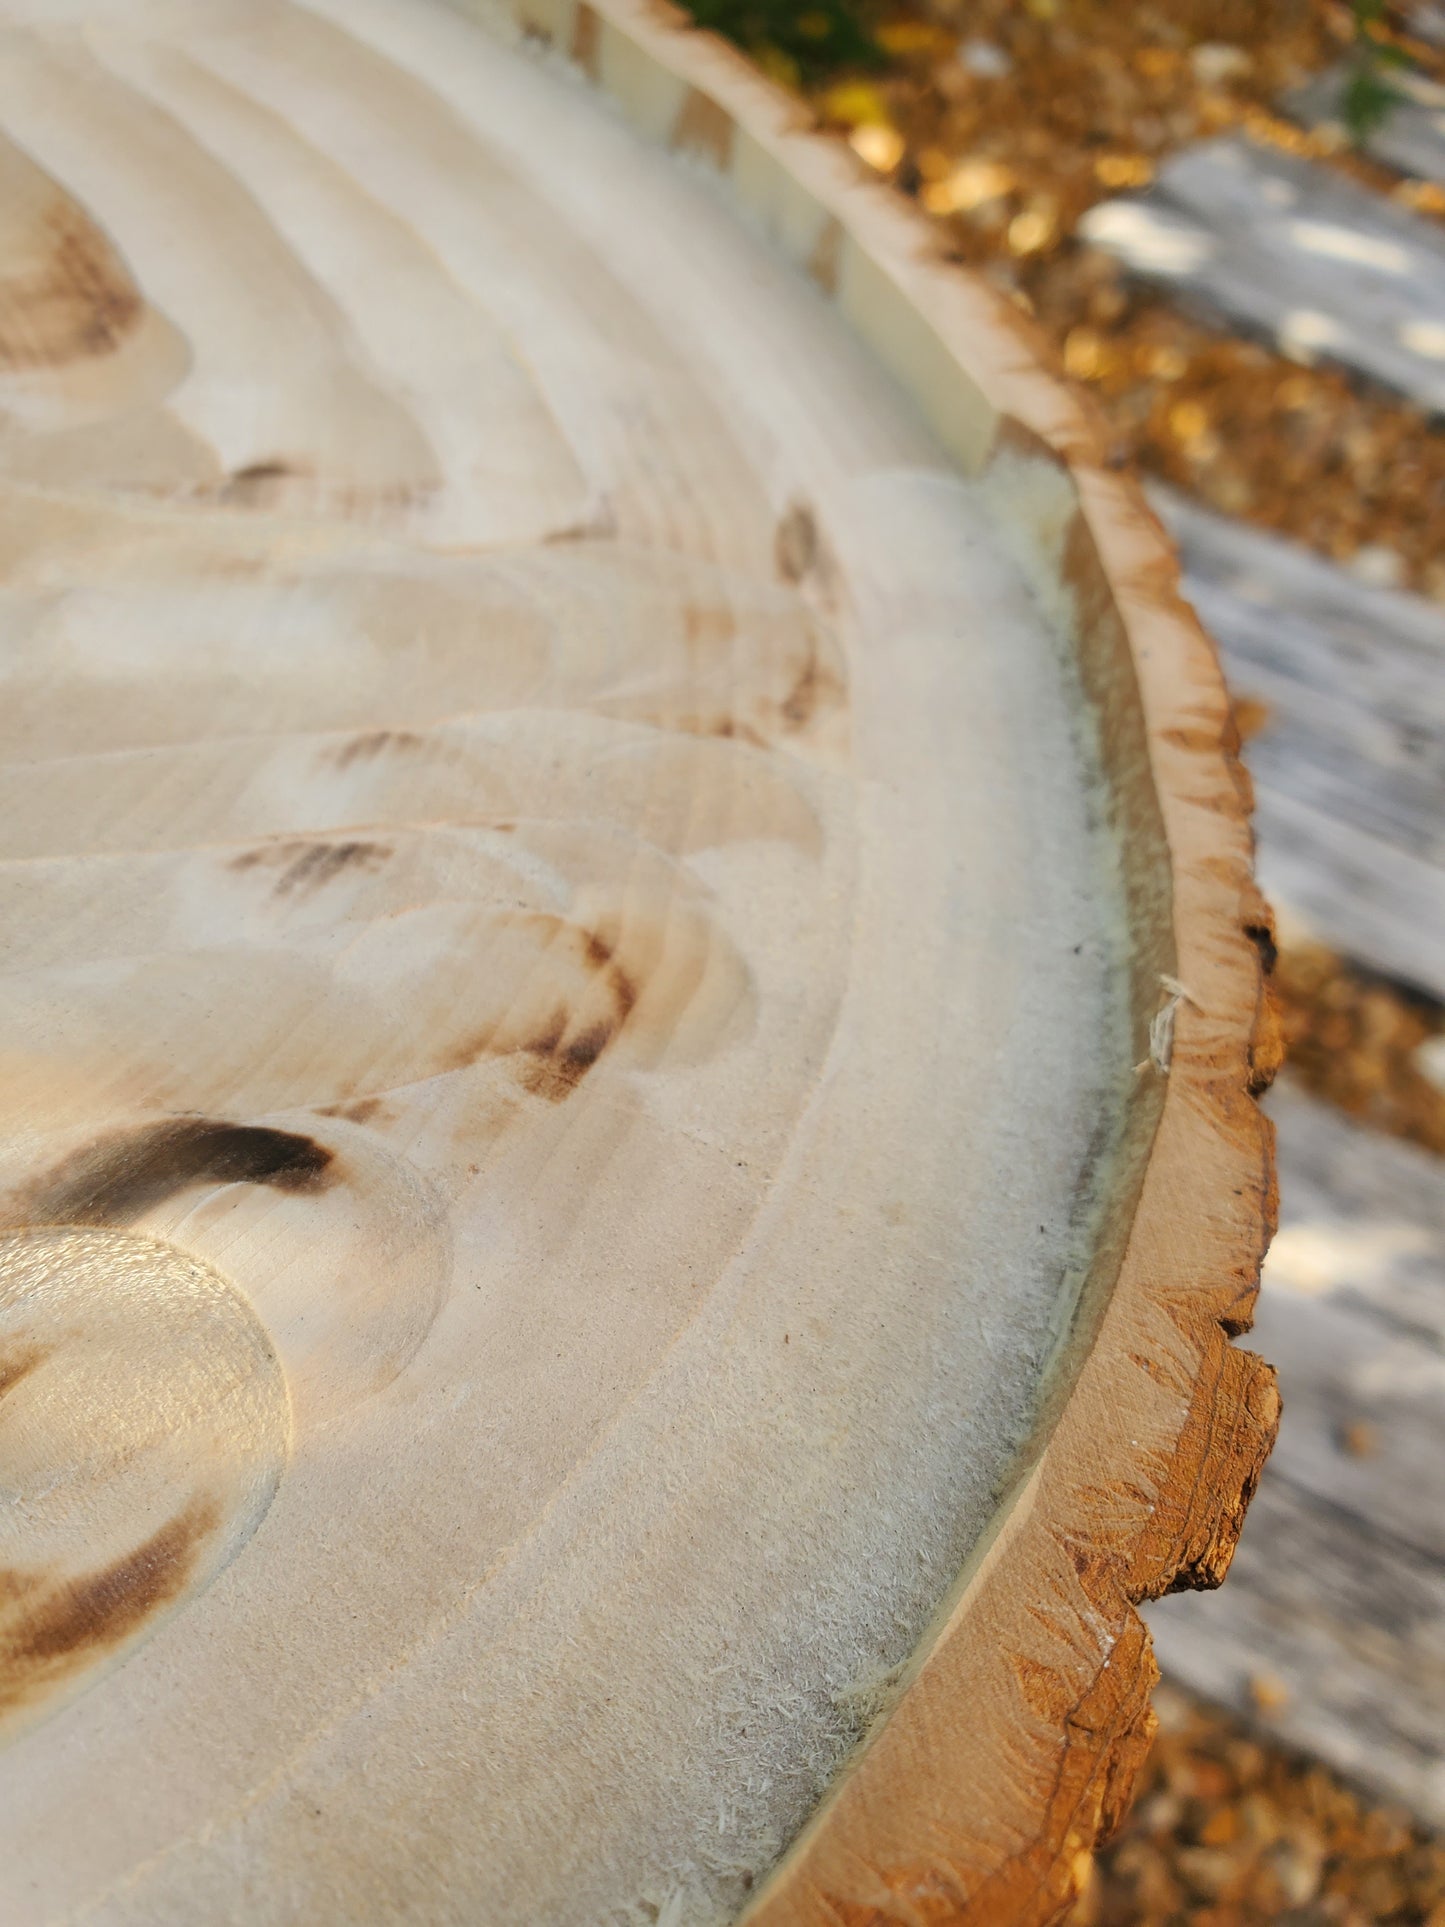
(1228, 1831)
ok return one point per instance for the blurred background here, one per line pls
(1228, 218)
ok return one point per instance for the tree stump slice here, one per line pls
(632, 1003)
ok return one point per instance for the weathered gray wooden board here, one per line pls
(1362, 1221)
(1411, 137)
(1350, 768)
(1292, 250)
(1338, 1589)
(1350, 1624)
(1369, 901)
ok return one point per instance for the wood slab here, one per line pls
(632, 1002)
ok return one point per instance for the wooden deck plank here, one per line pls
(1338, 1589)
(1362, 1217)
(1351, 1626)
(1349, 1374)
(1350, 768)
(1411, 137)
(1349, 1318)
(1288, 249)
(1359, 894)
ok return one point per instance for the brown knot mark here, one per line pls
(125, 1174)
(557, 1058)
(80, 302)
(795, 542)
(19, 1363)
(371, 743)
(309, 866)
(52, 1623)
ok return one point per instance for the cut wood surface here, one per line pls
(1258, 239)
(1334, 1615)
(1349, 761)
(631, 996)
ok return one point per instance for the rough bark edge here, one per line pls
(962, 1805)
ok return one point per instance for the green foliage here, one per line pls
(1367, 100)
(1368, 97)
(800, 40)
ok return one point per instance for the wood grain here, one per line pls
(1336, 1596)
(613, 823)
(1349, 763)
